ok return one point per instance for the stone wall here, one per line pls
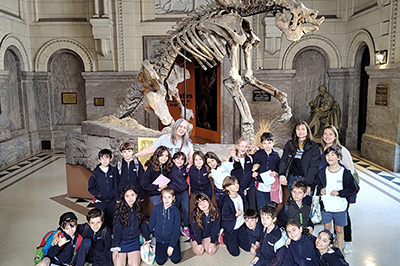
(381, 140)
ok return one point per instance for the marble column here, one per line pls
(42, 101)
(381, 141)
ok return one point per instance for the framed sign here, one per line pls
(68, 98)
(98, 101)
(261, 96)
(382, 95)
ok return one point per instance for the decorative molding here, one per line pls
(313, 40)
(362, 36)
(12, 40)
(392, 45)
(102, 30)
(120, 36)
(174, 6)
(54, 45)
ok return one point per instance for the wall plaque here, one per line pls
(382, 95)
(68, 98)
(98, 101)
(261, 96)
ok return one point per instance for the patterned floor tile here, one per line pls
(364, 165)
(390, 178)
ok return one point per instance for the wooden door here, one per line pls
(203, 97)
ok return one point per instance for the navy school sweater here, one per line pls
(124, 233)
(199, 180)
(149, 177)
(211, 228)
(228, 213)
(238, 171)
(166, 224)
(300, 252)
(130, 174)
(178, 179)
(63, 255)
(100, 246)
(256, 234)
(104, 186)
(266, 253)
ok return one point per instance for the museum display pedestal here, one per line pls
(77, 181)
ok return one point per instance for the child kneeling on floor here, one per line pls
(165, 221)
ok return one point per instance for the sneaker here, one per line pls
(347, 248)
(185, 232)
(221, 238)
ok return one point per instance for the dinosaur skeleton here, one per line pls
(207, 35)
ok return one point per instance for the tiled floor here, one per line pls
(32, 196)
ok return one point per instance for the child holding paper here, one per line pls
(154, 179)
(335, 184)
(268, 159)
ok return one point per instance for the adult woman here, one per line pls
(330, 137)
(177, 140)
(300, 158)
(326, 253)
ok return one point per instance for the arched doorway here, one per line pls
(362, 111)
(67, 82)
(14, 108)
(311, 67)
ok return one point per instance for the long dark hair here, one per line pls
(155, 162)
(198, 214)
(212, 155)
(295, 140)
(123, 208)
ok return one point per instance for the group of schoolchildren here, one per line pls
(242, 189)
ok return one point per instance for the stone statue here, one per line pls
(324, 111)
(208, 34)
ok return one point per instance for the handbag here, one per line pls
(315, 214)
(289, 164)
(276, 191)
(148, 252)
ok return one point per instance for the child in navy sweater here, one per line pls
(270, 252)
(165, 221)
(242, 165)
(300, 251)
(268, 159)
(130, 169)
(96, 244)
(198, 173)
(232, 217)
(335, 184)
(254, 229)
(158, 164)
(326, 253)
(103, 186)
(205, 224)
(63, 252)
(129, 223)
(180, 186)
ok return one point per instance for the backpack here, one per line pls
(353, 197)
(45, 245)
